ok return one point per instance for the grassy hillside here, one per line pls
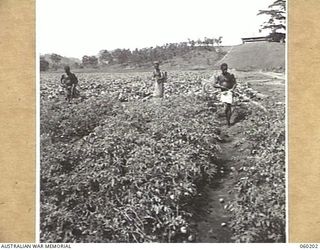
(195, 60)
(256, 56)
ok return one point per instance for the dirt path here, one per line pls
(211, 212)
(279, 76)
(225, 56)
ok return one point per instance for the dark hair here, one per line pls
(67, 68)
(223, 65)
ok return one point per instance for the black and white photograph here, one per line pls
(162, 121)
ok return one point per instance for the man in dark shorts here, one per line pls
(70, 82)
(227, 83)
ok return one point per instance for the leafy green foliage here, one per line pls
(277, 16)
(113, 172)
(259, 205)
(116, 171)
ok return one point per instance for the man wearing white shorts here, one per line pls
(227, 83)
(160, 78)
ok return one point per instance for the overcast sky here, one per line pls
(74, 28)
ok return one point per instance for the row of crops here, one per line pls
(259, 208)
(127, 171)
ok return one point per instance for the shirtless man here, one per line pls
(227, 83)
(70, 82)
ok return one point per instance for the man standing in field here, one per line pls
(160, 78)
(70, 82)
(227, 83)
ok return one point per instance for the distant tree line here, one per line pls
(160, 53)
(136, 57)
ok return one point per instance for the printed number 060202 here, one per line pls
(308, 245)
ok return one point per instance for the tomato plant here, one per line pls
(126, 169)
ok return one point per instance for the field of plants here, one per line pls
(117, 167)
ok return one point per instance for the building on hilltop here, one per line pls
(273, 37)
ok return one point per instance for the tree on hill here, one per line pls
(191, 42)
(218, 41)
(44, 64)
(207, 41)
(121, 55)
(90, 61)
(105, 57)
(277, 18)
(56, 59)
